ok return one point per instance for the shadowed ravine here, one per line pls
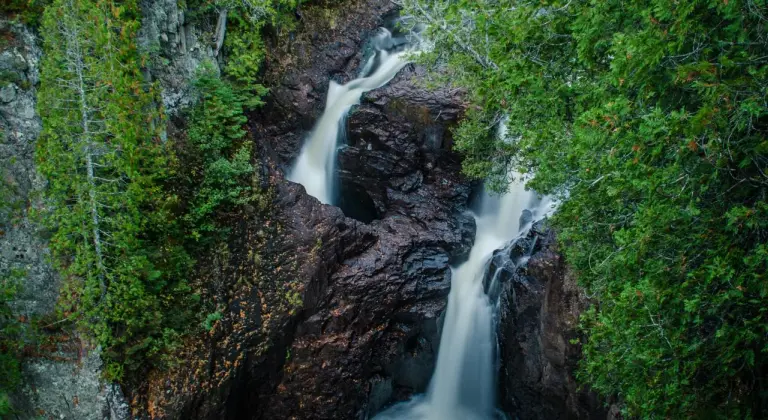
(463, 385)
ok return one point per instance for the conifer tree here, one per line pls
(104, 163)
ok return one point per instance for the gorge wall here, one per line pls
(367, 281)
(367, 329)
(539, 306)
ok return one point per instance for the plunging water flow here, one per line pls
(314, 168)
(463, 384)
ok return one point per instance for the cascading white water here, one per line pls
(314, 168)
(463, 384)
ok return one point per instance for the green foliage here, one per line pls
(244, 44)
(11, 339)
(29, 11)
(112, 224)
(245, 53)
(649, 119)
(210, 320)
(223, 171)
(120, 232)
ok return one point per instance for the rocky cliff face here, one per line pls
(20, 243)
(62, 376)
(539, 306)
(373, 285)
(177, 47)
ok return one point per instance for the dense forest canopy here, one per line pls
(649, 120)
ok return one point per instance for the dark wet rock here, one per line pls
(408, 182)
(395, 141)
(539, 308)
(401, 118)
(372, 331)
(526, 217)
(373, 286)
(356, 202)
(299, 67)
(396, 138)
(231, 372)
(367, 328)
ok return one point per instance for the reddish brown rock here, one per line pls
(540, 305)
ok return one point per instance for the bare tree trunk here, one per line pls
(75, 58)
(221, 30)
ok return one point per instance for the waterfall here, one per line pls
(314, 169)
(463, 386)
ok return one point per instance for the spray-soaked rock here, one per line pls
(539, 305)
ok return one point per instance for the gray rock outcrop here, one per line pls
(177, 48)
(21, 246)
(65, 380)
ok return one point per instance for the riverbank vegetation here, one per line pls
(649, 120)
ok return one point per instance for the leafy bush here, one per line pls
(224, 172)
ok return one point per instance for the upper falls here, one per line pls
(314, 169)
